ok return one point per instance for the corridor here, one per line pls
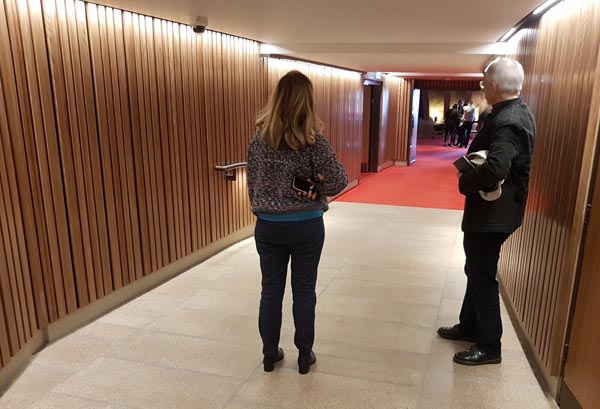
(389, 276)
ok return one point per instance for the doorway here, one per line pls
(371, 125)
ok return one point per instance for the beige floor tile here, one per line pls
(36, 380)
(211, 325)
(110, 334)
(142, 310)
(190, 353)
(384, 309)
(387, 335)
(285, 387)
(393, 275)
(447, 389)
(138, 385)
(388, 277)
(433, 403)
(455, 290)
(225, 302)
(326, 275)
(362, 353)
(72, 352)
(391, 371)
(382, 291)
(244, 404)
(243, 282)
(61, 401)
(194, 280)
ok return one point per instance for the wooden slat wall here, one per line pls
(111, 124)
(234, 74)
(338, 103)
(395, 119)
(539, 261)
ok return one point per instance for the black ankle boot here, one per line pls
(305, 360)
(269, 361)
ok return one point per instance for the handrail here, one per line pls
(229, 170)
(231, 166)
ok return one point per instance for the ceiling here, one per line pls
(437, 37)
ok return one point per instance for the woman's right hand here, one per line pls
(311, 196)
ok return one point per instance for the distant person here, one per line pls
(460, 107)
(509, 137)
(468, 118)
(288, 149)
(452, 119)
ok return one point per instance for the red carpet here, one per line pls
(429, 182)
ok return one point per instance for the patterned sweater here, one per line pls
(271, 173)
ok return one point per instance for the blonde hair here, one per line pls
(289, 114)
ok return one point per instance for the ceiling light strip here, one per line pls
(544, 7)
(508, 34)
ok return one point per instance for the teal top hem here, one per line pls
(291, 217)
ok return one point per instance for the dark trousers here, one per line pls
(276, 242)
(480, 313)
(465, 134)
(450, 130)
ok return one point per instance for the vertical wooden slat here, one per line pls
(153, 139)
(190, 133)
(73, 274)
(18, 140)
(163, 149)
(98, 224)
(118, 153)
(96, 18)
(147, 156)
(91, 243)
(5, 352)
(126, 156)
(210, 101)
(80, 230)
(137, 127)
(33, 281)
(5, 280)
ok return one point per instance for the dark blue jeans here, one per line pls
(276, 242)
(480, 313)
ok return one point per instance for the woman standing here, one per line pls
(291, 171)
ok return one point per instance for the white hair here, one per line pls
(507, 73)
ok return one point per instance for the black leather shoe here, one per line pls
(269, 361)
(455, 334)
(475, 356)
(305, 360)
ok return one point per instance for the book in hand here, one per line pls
(463, 165)
(473, 160)
(470, 161)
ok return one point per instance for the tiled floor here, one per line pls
(389, 276)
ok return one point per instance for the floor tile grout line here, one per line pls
(438, 315)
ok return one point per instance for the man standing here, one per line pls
(460, 107)
(468, 119)
(508, 136)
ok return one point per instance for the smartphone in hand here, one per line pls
(302, 185)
